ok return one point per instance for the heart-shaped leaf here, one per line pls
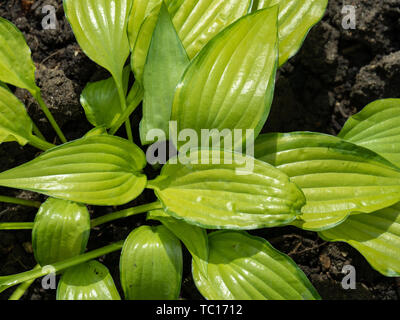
(243, 58)
(87, 281)
(377, 127)
(16, 65)
(194, 238)
(98, 170)
(166, 62)
(243, 267)
(60, 231)
(296, 18)
(376, 236)
(338, 178)
(15, 123)
(101, 103)
(239, 193)
(151, 264)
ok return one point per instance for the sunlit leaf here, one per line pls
(98, 170)
(230, 83)
(296, 18)
(376, 236)
(151, 264)
(377, 127)
(166, 62)
(15, 123)
(243, 267)
(61, 231)
(246, 194)
(87, 281)
(338, 178)
(16, 65)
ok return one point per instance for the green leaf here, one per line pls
(15, 123)
(97, 170)
(87, 281)
(194, 238)
(151, 264)
(338, 178)
(296, 18)
(16, 65)
(227, 196)
(60, 231)
(244, 58)
(376, 236)
(101, 103)
(377, 127)
(100, 29)
(196, 21)
(243, 267)
(166, 62)
(3, 85)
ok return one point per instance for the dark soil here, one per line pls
(336, 73)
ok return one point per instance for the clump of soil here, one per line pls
(336, 73)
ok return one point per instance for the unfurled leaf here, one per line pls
(15, 123)
(101, 102)
(377, 127)
(194, 238)
(196, 21)
(61, 231)
(376, 236)
(87, 281)
(16, 65)
(100, 29)
(230, 83)
(296, 18)
(151, 264)
(245, 194)
(97, 170)
(338, 178)
(243, 267)
(166, 62)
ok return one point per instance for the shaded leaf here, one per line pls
(244, 267)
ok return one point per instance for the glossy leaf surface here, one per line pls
(166, 62)
(243, 267)
(151, 264)
(338, 178)
(246, 194)
(16, 65)
(60, 231)
(230, 84)
(87, 281)
(98, 170)
(377, 127)
(15, 123)
(376, 236)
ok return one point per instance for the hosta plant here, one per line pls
(201, 64)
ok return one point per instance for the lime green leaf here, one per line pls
(97, 170)
(60, 231)
(227, 196)
(87, 281)
(101, 103)
(100, 29)
(243, 57)
(151, 264)
(166, 62)
(16, 65)
(243, 267)
(338, 178)
(377, 127)
(376, 236)
(296, 18)
(15, 123)
(194, 238)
